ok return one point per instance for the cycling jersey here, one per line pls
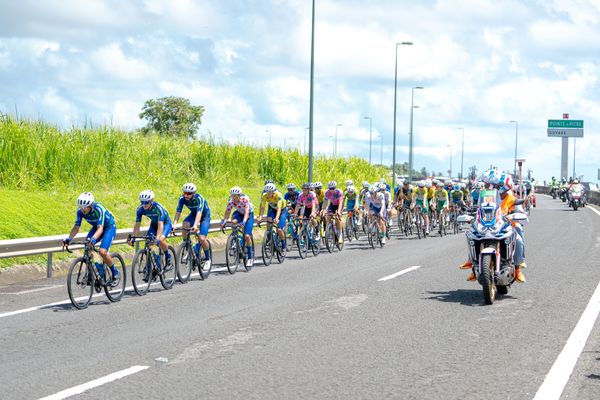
(420, 194)
(387, 197)
(320, 196)
(441, 195)
(99, 215)
(377, 200)
(334, 196)
(307, 200)
(475, 196)
(156, 213)
(196, 204)
(291, 197)
(430, 193)
(241, 204)
(274, 200)
(457, 196)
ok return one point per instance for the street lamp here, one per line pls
(462, 153)
(451, 151)
(312, 95)
(516, 141)
(410, 138)
(335, 143)
(395, 101)
(305, 135)
(370, 136)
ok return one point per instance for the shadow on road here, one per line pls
(467, 297)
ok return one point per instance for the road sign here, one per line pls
(565, 123)
(562, 132)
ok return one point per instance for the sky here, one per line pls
(481, 63)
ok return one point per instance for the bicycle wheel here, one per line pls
(281, 252)
(303, 242)
(186, 261)
(418, 224)
(114, 293)
(349, 229)
(168, 274)
(291, 234)
(329, 238)
(373, 233)
(141, 272)
(232, 253)
(203, 270)
(268, 247)
(245, 255)
(80, 283)
(315, 240)
(337, 235)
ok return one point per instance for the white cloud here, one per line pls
(111, 60)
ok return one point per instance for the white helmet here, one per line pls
(85, 199)
(351, 189)
(291, 186)
(318, 185)
(189, 188)
(576, 181)
(349, 182)
(421, 184)
(235, 190)
(428, 183)
(147, 195)
(332, 185)
(382, 186)
(366, 184)
(270, 187)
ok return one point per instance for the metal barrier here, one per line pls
(53, 244)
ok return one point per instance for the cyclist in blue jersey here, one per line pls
(103, 230)
(198, 220)
(291, 196)
(160, 225)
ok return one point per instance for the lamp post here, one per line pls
(451, 151)
(462, 153)
(516, 141)
(370, 136)
(410, 138)
(312, 93)
(306, 131)
(395, 101)
(335, 142)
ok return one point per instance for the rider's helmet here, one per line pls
(291, 186)
(269, 181)
(147, 195)
(189, 188)
(365, 184)
(318, 185)
(575, 181)
(306, 185)
(456, 187)
(311, 186)
(421, 184)
(406, 182)
(349, 182)
(428, 183)
(85, 199)
(382, 186)
(236, 190)
(351, 189)
(332, 185)
(270, 187)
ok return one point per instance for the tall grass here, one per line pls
(36, 155)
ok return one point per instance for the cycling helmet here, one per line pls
(372, 189)
(351, 189)
(291, 186)
(189, 188)
(147, 195)
(332, 185)
(456, 187)
(575, 181)
(236, 190)
(318, 185)
(421, 184)
(312, 186)
(428, 183)
(270, 187)
(382, 186)
(306, 185)
(269, 181)
(85, 199)
(365, 184)
(349, 182)
(406, 182)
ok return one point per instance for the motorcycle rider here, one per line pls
(505, 186)
(576, 186)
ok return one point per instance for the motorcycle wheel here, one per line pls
(574, 206)
(487, 279)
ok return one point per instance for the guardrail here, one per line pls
(53, 244)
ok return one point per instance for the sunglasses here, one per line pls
(145, 203)
(188, 193)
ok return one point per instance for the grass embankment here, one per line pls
(43, 169)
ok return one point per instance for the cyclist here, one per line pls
(457, 198)
(350, 196)
(103, 228)
(198, 219)
(430, 198)
(307, 206)
(291, 196)
(376, 204)
(387, 211)
(419, 199)
(277, 210)
(441, 203)
(160, 225)
(475, 193)
(320, 194)
(349, 183)
(333, 203)
(243, 214)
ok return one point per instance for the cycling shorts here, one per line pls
(107, 236)
(332, 208)
(441, 204)
(166, 229)
(272, 213)
(424, 207)
(204, 222)
(249, 224)
(376, 210)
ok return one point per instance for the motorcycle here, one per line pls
(553, 192)
(491, 243)
(576, 196)
(563, 194)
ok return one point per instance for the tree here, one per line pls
(171, 116)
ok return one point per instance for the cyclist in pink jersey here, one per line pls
(307, 205)
(334, 204)
(243, 214)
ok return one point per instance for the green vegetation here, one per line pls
(43, 169)
(172, 116)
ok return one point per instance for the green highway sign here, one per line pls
(565, 123)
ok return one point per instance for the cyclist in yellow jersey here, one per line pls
(419, 199)
(320, 194)
(277, 209)
(441, 203)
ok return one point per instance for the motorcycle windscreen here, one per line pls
(488, 204)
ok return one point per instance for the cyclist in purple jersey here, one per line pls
(198, 220)
(103, 228)
(244, 214)
(306, 204)
(333, 203)
(377, 207)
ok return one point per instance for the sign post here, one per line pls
(565, 128)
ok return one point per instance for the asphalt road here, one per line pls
(324, 327)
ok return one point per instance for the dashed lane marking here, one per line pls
(404, 271)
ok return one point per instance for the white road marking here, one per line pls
(404, 271)
(593, 209)
(561, 370)
(95, 383)
(35, 290)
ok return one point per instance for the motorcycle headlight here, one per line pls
(488, 214)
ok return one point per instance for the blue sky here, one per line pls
(482, 63)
